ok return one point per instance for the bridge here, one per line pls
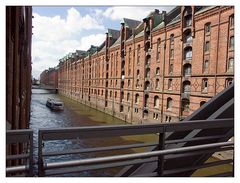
(46, 87)
(190, 143)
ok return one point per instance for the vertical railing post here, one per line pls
(161, 146)
(31, 154)
(40, 160)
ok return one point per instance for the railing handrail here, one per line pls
(115, 158)
(118, 130)
(20, 136)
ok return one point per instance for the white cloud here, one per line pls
(47, 53)
(54, 37)
(137, 13)
(57, 29)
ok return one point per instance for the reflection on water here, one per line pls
(75, 115)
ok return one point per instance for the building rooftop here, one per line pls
(130, 23)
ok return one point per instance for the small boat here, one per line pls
(54, 105)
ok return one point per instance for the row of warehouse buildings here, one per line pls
(160, 69)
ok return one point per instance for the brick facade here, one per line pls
(18, 66)
(49, 77)
(158, 70)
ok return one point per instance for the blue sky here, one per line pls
(60, 30)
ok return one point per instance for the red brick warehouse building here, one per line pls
(158, 70)
(49, 77)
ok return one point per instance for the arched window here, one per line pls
(188, 36)
(156, 101)
(148, 59)
(231, 20)
(205, 85)
(158, 49)
(187, 69)
(128, 96)
(185, 105)
(169, 103)
(148, 72)
(171, 53)
(188, 53)
(157, 84)
(122, 84)
(188, 20)
(231, 42)
(137, 98)
(207, 28)
(138, 73)
(207, 46)
(130, 55)
(186, 86)
(137, 83)
(145, 114)
(171, 69)
(171, 38)
(170, 84)
(205, 66)
(138, 54)
(147, 85)
(146, 101)
(157, 71)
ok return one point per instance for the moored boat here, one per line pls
(54, 105)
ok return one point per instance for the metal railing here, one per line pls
(24, 140)
(159, 155)
(136, 156)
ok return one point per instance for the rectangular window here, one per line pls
(171, 69)
(170, 84)
(231, 44)
(230, 64)
(205, 66)
(207, 28)
(207, 45)
(231, 21)
(172, 53)
(204, 85)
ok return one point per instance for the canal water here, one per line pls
(79, 115)
(76, 115)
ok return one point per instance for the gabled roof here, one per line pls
(130, 23)
(203, 9)
(117, 42)
(176, 19)
(113, 33)
(92, 49)
(162, 24)
(140, 34)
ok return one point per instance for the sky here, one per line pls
(60, 30)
